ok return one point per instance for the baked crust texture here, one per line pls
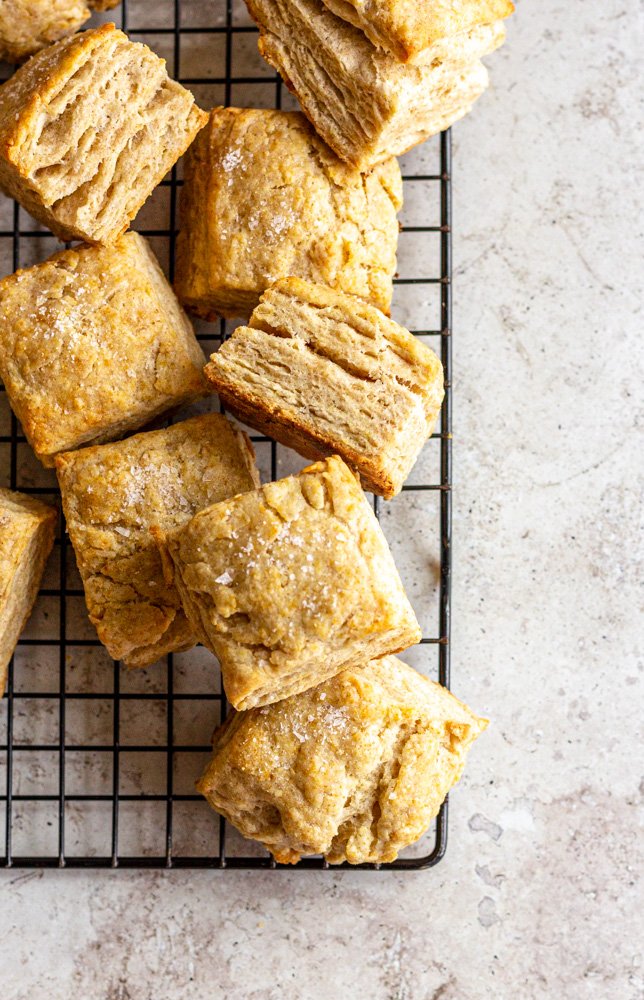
(406, 29)
(366, 104)
(88, 128)
(326, 373)
(115, 494)
(29, 25)
(26, 26)
(354, 769)
(27, 530)
(93, 344)
(290, 584)
(265, 198)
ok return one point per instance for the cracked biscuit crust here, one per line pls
(326, 373)
(26, 538)
(93, 343)
(362, 101)
(265, 198)
(354, 769)
(113, 495)
(407, 28)
(291, 584)
(88, 128)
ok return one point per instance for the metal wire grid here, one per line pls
(50, 820)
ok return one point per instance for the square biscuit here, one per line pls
(114, 494)
(265, 198)
(365, 103)
(326, 373)
(290, 584)
(88, 128)
(26, 538)
(406, 29)
(93, 344)
(354, 769)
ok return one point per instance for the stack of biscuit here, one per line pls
(376, 77)
(334, 746)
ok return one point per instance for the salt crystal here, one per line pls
(231, 159)
(224, 579)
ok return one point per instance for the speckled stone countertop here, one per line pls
(537, 895)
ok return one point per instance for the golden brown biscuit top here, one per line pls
(28, 25)
(355, 768)
(88, 336)
(407, 27)
(301, 560)
(157, 477)
(281, 202)
(114, 494)
(347, 711)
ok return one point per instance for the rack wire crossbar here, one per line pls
(97, 764)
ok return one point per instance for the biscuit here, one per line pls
(114, 494)
(29, 25)
(88, 128)
(362, 101)
(290, 584)
(26, 538)
(326, 373)
(406, 29)
(265, 198)
(93, 343)
(354, 769)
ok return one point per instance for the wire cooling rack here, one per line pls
(97, 763)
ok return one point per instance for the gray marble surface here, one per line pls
(537, 896)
